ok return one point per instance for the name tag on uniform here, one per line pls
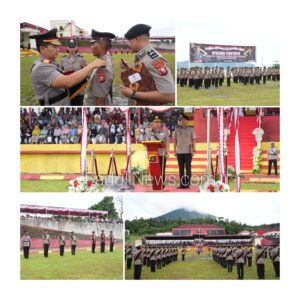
(134, 77)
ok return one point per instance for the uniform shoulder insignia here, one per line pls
(152, 54)
(46, 61)
(160, 67)
(141, 54)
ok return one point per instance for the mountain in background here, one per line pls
(184, 214)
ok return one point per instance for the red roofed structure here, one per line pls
(203, 229)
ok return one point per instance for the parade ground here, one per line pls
(236, 95)
(84, 265)
(199, 267)
(27, 93)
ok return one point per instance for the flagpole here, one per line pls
(208, 150)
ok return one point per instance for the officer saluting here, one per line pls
(26, 244)
(139, 40)
(70, 63)
(184, 149)
(49, 83)
(100, 84)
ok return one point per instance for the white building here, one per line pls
(68, 28)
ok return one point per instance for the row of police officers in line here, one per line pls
(214, 77)
(26, 242)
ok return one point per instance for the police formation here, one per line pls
(26, 242)
(241, 256)
(216, 77)
(154, 257)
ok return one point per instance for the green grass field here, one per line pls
(62, 186)
(200, 267)
(84, 265)
(28, 95)
(235, 95)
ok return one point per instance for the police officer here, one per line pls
(228, 76)
(70, 63)
(61, 242)
(275, 256)
(73, 242)
(129, 256)
(46, 242)
(153, 260)
(111, 241)
(159, 257)
(260, 262)
(158, 134)
(272, 158)
(102, 242)
(139, 40)
(100, 84)
(93, 241)
(138, 262)
(240, 261)
(49, 83)
(26, 244)
(249, 256)
(183, 252)
(229, 259)
(184, 149)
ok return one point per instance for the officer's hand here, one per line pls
(123, 66)
(97, 63)
(126, 91)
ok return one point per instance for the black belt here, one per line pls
(55, 99)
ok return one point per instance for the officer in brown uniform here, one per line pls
(183, 252)
(102, 242)
(46, 242)
(49, 83)
(139, 40)
(249, 255)
(184, 149)
(70, 63)
(272, 158)
(229, 259)
(240, 261)
(138, 262)
(260, 262)
(158, 134)
(153, 260)
(26, 244)
(275, 256)
(73, 242)
(61, 242)
(129, 256)
(93, 241)
(100, 84)
(111, 241)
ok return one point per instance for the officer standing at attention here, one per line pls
(158, 134)
(229, 259)
(240, 261)
(70, 63)
(26, 244)
(46, 242)
(73, 240)
(260, 262)
(100, 84)
(111, 241)
(272, 158)
(49, 83)
(61, 242)
(249, 256)
(184, 149)
(93, 240)
(139, 40)
(102, 241)
(138, 262)
(129, 255)
(183, 252)
(275, 256)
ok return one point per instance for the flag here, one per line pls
(220, 114)
(237, 149)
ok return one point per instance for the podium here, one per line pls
(154, 164)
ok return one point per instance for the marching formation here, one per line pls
(26, 242)
(214, 77)
(241, 255)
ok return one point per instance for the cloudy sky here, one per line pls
(247, 209)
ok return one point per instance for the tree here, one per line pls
(107, 203)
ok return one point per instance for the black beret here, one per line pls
(137, 30)
(72, 43)
(49, 37)
(97, 35)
